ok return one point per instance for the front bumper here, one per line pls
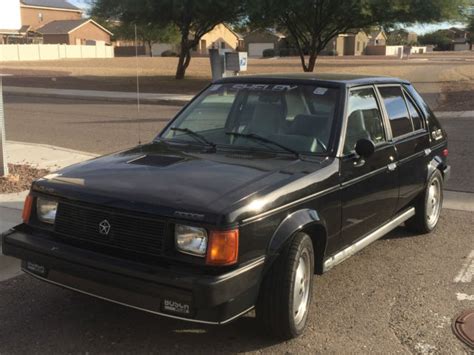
(160, 290)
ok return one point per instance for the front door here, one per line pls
(369, 187)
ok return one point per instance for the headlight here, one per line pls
(191, 240)
(46, 210)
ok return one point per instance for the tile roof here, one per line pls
(60, 4)
(60, 27)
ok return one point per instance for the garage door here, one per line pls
(256, 49)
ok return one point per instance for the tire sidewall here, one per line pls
(304, 243)
(435, 176)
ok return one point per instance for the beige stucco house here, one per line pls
(259, 40)
(52, 22)
(378, 38)
(353, 43)
(222, 36)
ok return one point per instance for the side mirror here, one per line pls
(365, 148)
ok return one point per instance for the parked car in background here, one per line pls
(255, 186)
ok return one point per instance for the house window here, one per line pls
(223, 45)
(358, 46)
(40, 16)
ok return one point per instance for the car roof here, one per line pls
(347, 80)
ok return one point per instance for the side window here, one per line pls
(364, 119)
(397, 110)
(415, 114)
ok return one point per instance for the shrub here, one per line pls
(284, 52)
(169, 53)
(268, 53)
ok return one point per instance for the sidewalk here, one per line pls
(113, 96)
(455, 114)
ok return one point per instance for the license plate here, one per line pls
(171, 306)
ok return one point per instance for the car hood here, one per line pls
(177, 181)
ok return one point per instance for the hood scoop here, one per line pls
(156, 160)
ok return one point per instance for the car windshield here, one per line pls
(283, 118)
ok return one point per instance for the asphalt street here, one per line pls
(91, 126)
(399, 295)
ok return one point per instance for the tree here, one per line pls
(312, 24)
(441, 39)
(192, 18)
(147, 33)
(470, 29)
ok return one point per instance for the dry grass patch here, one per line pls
(20, 178)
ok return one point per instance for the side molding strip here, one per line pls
(291, 204)
(369, 239)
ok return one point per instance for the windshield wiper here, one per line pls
(197, 136)
(265, 140)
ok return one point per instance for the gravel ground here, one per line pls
(20, 178)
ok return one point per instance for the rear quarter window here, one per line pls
(432, 122)
(415, 114)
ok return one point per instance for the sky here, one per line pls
(79, 3)
(422, 29)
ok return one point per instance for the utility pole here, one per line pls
(3, 154)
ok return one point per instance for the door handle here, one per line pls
(392, 166)
(359, 163)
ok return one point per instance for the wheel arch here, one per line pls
(436, 163)
(307, 221)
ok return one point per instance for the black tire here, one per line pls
(276, 298)
(421, 222)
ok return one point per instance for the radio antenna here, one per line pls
(138, 87)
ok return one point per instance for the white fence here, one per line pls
(394, 50)
(25, 52)
(418, 50)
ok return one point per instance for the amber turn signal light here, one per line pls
(223, 248)
(27, 209)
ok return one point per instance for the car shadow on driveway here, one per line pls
(45, 313)
(401, 233)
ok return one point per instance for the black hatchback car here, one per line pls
(255, 186)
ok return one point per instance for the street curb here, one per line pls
(67, 96)
(53, 147)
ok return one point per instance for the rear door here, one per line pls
(369, 187)
(410, 139)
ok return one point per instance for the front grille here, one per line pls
(127, 232)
